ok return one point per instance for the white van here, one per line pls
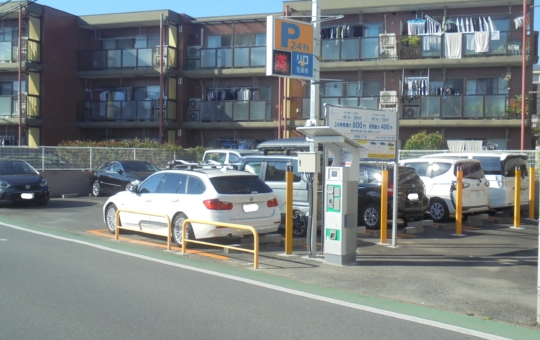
(440, 176)
(499, 169)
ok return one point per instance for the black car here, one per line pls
(412, 201)
(20, 182)
(115, 176)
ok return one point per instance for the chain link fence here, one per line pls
(84, 158)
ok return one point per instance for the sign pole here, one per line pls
(314, 109)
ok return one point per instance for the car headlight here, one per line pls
(4, 184)
(43, 182)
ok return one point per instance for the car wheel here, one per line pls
(110, 217)
(177, 223)
(299, 223)
(96, 189)
(370, 216)
(438, 210)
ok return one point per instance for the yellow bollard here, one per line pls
(384, 206)
(459, 200)
(517, 197)
(289, 210)
(532, 193)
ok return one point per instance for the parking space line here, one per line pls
(105, 233)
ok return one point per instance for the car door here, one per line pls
(104, 177)
(116, 178)
(169, 199)
(274, 176)
(141, 202)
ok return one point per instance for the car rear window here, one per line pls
(407, 175)
(239, 185)
(511, 163)
(471, 170)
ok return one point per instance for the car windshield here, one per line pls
(16, 168)
(239, 185)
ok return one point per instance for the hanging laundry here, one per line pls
(481, 40)
(452, 48)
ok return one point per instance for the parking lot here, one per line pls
(490, 273)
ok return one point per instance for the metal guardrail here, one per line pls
(255, 250)
(117, 225)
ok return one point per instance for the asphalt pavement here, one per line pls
(489, 273)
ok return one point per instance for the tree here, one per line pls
(425, 141)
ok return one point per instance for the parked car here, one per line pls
(225, 156)
(440, 176)
(20, 182)
(499, 169)
(222, 196)
(271, 169)
(412, 200)
(115, 176)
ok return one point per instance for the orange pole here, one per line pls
(459, 201)
(532, 191)
(517, 198)
(384, 206)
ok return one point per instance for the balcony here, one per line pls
(138, 59)
(198, 58)
(9, 107)
(125, 111)
(9, 53)
(232, 111)
(468, 107)
(391, 47)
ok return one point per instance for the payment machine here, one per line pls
(340, 216)
(340, 194)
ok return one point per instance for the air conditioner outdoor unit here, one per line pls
(387, 39)
(388, 97)
(410, 112)
(194, 103)
(193, 116)
(194, 51)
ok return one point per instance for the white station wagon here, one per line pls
(224, 195)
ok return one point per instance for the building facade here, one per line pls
(451, 66)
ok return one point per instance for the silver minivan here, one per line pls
(499, 168)
(271, 169)
(440, 177)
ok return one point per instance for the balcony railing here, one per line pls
(492, 106)
(31, 51)
(125, 111)
(9, 106)
(424, 46)
(238, 57)
(233, 111)
(130, 58)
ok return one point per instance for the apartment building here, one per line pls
(452, 66)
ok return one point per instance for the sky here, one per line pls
(194, 8)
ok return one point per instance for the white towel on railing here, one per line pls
(481, 39)
(452, 45)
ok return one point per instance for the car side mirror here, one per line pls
(120, 171)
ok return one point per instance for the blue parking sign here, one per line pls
(302, 65)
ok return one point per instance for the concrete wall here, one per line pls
(67, 182)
